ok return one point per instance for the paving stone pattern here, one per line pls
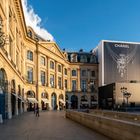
(51, 125)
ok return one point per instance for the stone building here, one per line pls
(35, 71)
(83, 80)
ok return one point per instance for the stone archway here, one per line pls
(13, 97)
(84, 102)
(93, 101)
(67, 102)
(54, 101)
(74, 102)
(44, 101)
(19, 100)
(61, 102)
(31, 100)
(3, 92)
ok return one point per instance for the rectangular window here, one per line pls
(30, 55)
(59, 68)
(51, 64)
(73, 85)
(43, 78)
(92, 88)
(59, 82)
(30, 74)
(83, 85)
(42, 60)
(52, 80)
(66, 84)
(73, 72)
(83, 72)
(65, 71)
(93, 73)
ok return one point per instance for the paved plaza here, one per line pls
(51, 125)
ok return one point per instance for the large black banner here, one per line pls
(121, 62)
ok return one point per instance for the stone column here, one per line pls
(56, 75)
(16, 105)
(21, 110)
(63, 78)
(58, 102)
(79, 100)
(69, 105)
(69, 79)
(50, 100)
(88, 80)
(78, 80)
(9, 106)
(89, 100)
(48, 72)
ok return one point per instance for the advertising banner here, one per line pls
(121, 62)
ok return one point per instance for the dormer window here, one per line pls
(73, 58)
(30, 34)
(83, 58)
(93, 59)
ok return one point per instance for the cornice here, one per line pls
(19, 11)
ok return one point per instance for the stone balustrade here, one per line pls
(114, 128)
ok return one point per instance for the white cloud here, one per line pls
(34, 21)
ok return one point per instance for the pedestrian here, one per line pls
(34, 108)
(37, 111)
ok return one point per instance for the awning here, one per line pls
(84, 102)
(62, 101)
(32, 100)
(45, 100)
(69, 102)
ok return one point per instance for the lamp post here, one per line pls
(127, 95)
(2, 40)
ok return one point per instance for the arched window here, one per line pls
(3, 81)
(19, 90)
(44, 95)
(22, 92)
(13, 86)
(30, 94)
(30, 55)
(61, 96)
(84, 98)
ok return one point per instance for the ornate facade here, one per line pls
(33, 70)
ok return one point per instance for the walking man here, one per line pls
(37, 111)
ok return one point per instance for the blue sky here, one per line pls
(77, 24)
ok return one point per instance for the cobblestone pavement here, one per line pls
(51, 125)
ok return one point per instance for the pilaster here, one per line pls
(78, 80)
(56, 74)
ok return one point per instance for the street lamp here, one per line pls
(2, 40)
(127, 95)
